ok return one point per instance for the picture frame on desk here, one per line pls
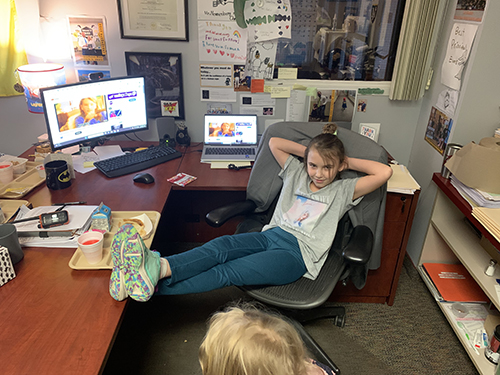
(163, 76)
(158, 20)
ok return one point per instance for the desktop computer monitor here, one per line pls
(87, 112)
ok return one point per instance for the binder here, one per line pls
(454, 283)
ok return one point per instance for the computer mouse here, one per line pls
(144, 178)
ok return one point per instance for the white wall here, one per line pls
(476, 117)
(398, 119)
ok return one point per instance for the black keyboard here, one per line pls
(230, 151)
(137, 161)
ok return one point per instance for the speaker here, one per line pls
(166, 128)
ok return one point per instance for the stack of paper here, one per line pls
(476, 197)
(490, 218)
(30, 235)
(402, 181)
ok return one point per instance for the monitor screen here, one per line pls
(84, 112)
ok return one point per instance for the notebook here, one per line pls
(229, 138)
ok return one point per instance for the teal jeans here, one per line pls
(272, 257)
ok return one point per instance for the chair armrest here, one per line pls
(219, 216)
(359, 248)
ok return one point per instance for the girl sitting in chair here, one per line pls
(281, 253)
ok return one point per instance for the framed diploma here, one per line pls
(159, 19)
(163, 74)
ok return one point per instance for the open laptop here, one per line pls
(229, 138)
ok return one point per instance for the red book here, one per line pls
(455, 283)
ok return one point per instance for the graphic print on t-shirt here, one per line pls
(304, 213)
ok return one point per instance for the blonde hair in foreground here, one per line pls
(247, 341)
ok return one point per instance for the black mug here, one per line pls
(57, 175)
(9, 239)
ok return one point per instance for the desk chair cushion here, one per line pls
(265, 184)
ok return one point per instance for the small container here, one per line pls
(490, 270)
(19, 165)
(450, 150)
(492, 352)
(41, 170)
(6, 172)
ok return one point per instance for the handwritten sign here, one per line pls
(457, 54)
(222, 41)
(216, 75)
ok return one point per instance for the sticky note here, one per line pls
(287, 73)
(280, 92)
(311, 91)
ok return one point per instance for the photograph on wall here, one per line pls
(241, 81)
(85, 75)
(438, 130)
(332, 105)
(163, 75)
(470, 10)
(88, 40)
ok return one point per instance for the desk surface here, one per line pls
(58, 320)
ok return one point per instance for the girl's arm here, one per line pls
(283, 148)
(377, 174)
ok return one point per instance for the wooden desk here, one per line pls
(56, 320)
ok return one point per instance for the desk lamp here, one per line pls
(34, 77)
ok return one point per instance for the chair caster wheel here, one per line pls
(339, 321)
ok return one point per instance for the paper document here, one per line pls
(79, 221)
(402, 181)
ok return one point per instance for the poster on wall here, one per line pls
(260, 59)
(213, 75)
(163, 74)
(457, 53)
(222, 42)
(438, 130)
(332, 105)
(88, 40)
(267, 20)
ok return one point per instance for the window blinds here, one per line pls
(416, 48)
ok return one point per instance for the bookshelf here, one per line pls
(454, 236)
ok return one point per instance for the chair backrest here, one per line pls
(264, 184)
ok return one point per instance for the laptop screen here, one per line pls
(230, 129)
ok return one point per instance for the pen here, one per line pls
(69, 203)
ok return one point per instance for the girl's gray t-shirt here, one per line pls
(312, 217)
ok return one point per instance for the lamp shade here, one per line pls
(34, 77)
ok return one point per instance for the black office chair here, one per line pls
(305, 300)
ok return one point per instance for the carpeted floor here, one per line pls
(162, 336)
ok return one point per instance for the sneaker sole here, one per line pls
(136, 281)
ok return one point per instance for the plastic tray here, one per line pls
(78, 261)
(22, 184)
(9, 206)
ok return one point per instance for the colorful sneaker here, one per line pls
(136, 269)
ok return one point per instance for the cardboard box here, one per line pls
(477, 166)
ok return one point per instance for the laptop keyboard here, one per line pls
(230, 151)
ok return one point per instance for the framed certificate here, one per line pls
(160, 19)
